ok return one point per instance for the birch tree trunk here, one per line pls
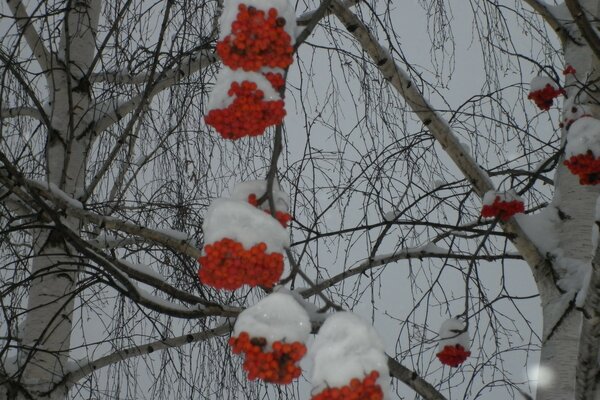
(560, 346)
(48, 323)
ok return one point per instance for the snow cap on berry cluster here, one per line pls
(220, 98)
(242, 190)
(584, 135)
(490, 197)
(347, 348)
(284, 9)
(539, 83)
(452, 332)
(277, 317)
(244, 223)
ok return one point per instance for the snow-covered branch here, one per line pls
(443, 133)
(21, 112)
(62, 201)
(24, 22)
(121, 355)
(547, 13)
(586, 29)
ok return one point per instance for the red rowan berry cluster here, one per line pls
(283, 217)
(544, 98)
(276, 366)
(248, 115)
(586, 166)
(226, 264)
(275, 79)
(569, 70)
(453, 355)
(257, 40)
(502, 209)
(367, 389)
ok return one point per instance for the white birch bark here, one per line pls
(47, 327)
(560, 348)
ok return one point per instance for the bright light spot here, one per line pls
(542, 375)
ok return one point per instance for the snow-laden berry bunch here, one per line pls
(543, 91)
(271, 335)
(582, 153)
(256, 46)
(349, 360)
(243, 245)
(454, 343)
(501, 205)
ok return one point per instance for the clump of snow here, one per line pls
(244, 223)
(539, 83)
(311, 309)
(277, 317)
(453, 332)
(346, 348)
(541, 228)
(284, 9)
(220, 98)
(490, 196)
(584, 135)
(242, 190)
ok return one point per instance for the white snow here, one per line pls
(452, 332)
(311, 309)
(244, 223)
(541, 228)
(284, 9)
(490, 197)
(242, 190)
(175, 234)
(539, 82)
(584, 135)
(219, 97)
(65, 197)
(277, 317)
(346, 348)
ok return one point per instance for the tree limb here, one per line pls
(443, 133)
(121, 355)
(413, 380)
(543, 9)
(21, 112)
(23, 20)
(584, 25)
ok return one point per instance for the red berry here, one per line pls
(544, 98)
(276, 366)
(569, 70)
(586, 166)
(366, 389)
(248, 115)
(453, 355)
(226, 264)
(256, 41)
(502, 209)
